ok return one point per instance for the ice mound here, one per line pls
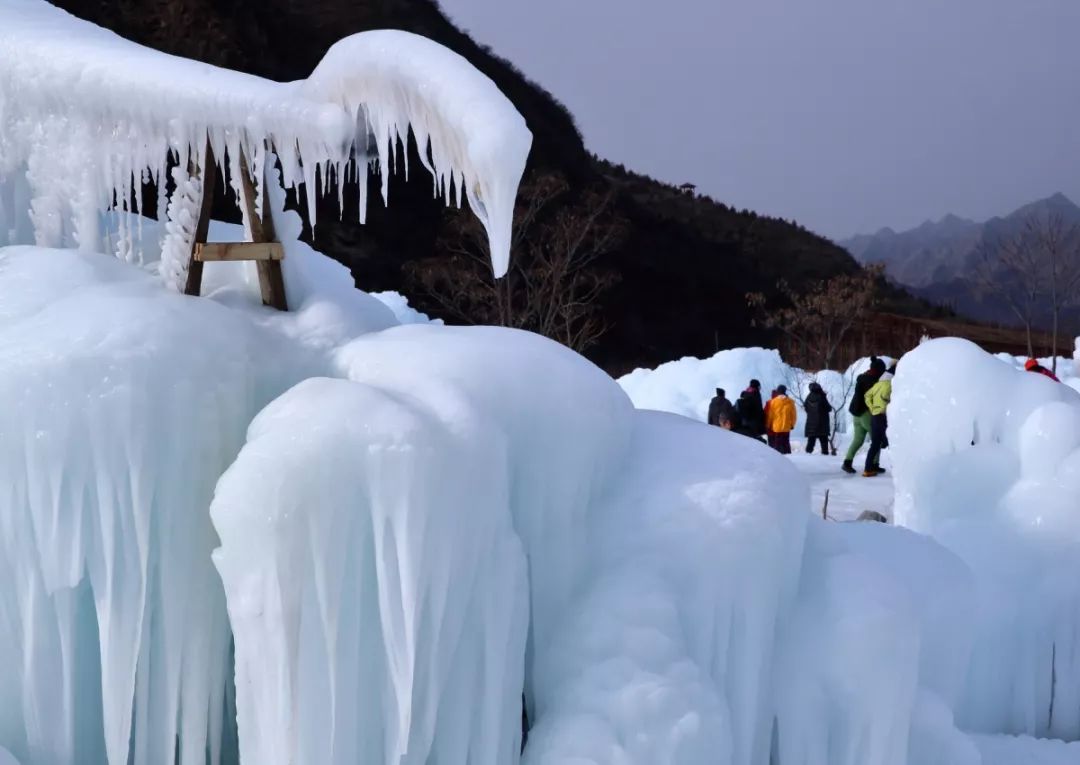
(668, 658)
(655, 584)
(875, 655)
(123, 405)
(566, 426)
(987, 462)
(377, 592)
(687, 385)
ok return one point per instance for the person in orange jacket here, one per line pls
(780, 418)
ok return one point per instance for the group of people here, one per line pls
(773, 420)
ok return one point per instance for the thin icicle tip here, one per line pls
(121, 108)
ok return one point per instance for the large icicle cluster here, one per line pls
(988, 462)
(385, 621)
(84, 114)
(123, 405)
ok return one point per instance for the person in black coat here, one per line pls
(751, 412)
(720, 409)
(818, 423)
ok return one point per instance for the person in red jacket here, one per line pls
(1032, 365)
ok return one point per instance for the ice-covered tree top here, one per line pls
(83, 111)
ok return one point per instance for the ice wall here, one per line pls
(84, 114)
(874, 657)
(426, 519)
(987, 461)
(566, 426)
(668, 655)
(123, 405)
(376, 589)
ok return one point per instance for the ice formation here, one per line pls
(433, 520)
(84, 114)
(123, 404)
(987, 462)
(385, 622)
(321, 537)
(668, 655)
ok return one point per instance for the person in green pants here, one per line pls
(860, 413)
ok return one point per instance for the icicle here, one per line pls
(309, 170)
(362, 186)
(339, 169)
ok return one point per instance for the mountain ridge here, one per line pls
(937, 261)
(934, 252)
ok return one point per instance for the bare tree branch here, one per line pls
(555, 282)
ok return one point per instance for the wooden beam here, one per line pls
(262, 227)
(271, 281)
(272, 284)
(260, 251)
(208, 175)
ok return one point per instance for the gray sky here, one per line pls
(846, 115)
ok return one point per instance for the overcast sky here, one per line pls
(846, 115)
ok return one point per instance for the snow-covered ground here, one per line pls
(849, 495)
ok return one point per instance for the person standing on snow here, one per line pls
(751, 413)
(877, 403)
(1032, 365)
(860, 415)
(719, 408)
(780, 418)
(817, 408)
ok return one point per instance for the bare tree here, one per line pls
(818, 320)
(554, 282)
(1013, 270)
(1059, 249)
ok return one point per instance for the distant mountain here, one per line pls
(936, 260)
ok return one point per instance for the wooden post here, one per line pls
(208, 175)
(271, 282)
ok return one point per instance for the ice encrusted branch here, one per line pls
(85, 114)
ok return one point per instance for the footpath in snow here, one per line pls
(849, 495)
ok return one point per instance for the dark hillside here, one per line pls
(685, 263)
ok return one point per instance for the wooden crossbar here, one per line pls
(232, 251)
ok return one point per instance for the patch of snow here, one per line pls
(403, 312)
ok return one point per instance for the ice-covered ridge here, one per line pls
(84, 113)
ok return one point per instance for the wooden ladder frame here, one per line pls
(263, 249)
